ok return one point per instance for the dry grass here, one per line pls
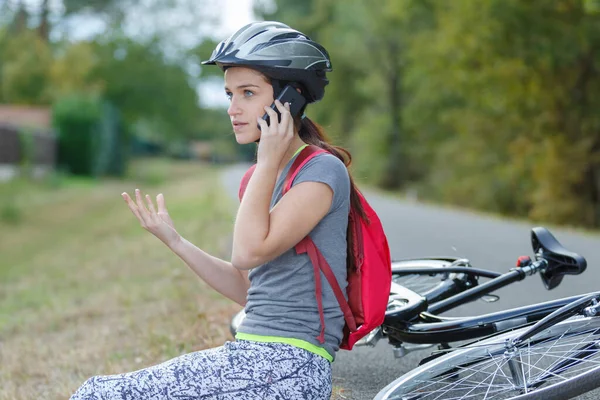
(85, 290)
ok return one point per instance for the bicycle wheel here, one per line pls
(561, 362)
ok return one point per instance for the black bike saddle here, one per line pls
(560, 261)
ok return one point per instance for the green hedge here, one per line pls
(92, 140)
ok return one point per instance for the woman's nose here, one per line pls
(233, 108)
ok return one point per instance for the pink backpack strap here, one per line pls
(306, 154)
(245, 180)
(320, 264)
(305, 245)
(317, 259)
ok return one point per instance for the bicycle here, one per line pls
(548, 350)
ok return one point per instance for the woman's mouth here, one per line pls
(239, 125)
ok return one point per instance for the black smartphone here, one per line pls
(288, 95)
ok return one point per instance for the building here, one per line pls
(21, 126)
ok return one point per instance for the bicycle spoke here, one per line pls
(489, 370)
(556, 341)
(498, 366)
(466, 383)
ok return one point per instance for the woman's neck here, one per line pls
(294, 146)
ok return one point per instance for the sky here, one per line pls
(237, 14)
(233, 14)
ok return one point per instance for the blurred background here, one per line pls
(487, 105)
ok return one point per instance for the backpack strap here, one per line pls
(317, 259)
(307, 245)
(306, 154)
(320, 264)
(245, 180)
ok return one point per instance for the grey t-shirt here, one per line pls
(282, 299)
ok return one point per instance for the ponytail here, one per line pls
(312, 133)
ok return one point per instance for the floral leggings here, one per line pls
(237, 370)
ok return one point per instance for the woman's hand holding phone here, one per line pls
(276, 137)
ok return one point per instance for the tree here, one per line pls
(73, 68)
(24, 75)
(513, 82)
(142, 83)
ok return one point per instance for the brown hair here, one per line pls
(312, 133)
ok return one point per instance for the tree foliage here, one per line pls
(481, 104)
(136, 75)
(487, 104)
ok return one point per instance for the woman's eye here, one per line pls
(228, 95)
(248, 93)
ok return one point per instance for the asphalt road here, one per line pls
(418, 230)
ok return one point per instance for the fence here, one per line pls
(36, 149)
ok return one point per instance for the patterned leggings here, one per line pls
(237, 370)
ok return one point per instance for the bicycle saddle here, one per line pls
(560, 261)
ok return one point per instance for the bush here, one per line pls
(92, 139)
(77, 121)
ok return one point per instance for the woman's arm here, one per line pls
(260, 234)
(218, 274)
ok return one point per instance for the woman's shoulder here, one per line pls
(326, 168)
(327, 163)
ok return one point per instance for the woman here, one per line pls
(277, 353)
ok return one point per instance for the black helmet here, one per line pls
(280, 52)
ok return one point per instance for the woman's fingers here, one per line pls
(286, 117)
(150, 205)
(140, 203)
(273, 118)
(160, 201)
(132, 206)
(146, 217)
(264, 128)
(162, 210)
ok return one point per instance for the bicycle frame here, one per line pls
(419, 324)
(468, 328)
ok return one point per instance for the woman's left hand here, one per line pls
(159, 223)
(275, 138)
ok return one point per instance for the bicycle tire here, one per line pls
(548, 373)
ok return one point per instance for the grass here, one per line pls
(84, 290)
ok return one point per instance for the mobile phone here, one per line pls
(289, 94)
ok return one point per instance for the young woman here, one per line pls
(278, 352)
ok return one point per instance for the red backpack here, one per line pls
(369, 286)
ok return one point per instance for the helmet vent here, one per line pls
(289, 35)
(255, 35)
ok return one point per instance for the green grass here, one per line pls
(85, 290)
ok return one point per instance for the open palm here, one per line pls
(159, 223)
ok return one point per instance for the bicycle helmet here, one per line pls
(281, 53)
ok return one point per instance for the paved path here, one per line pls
(417, 230)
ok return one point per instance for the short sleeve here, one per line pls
(330, 170)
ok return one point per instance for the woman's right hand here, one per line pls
(158, 223)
